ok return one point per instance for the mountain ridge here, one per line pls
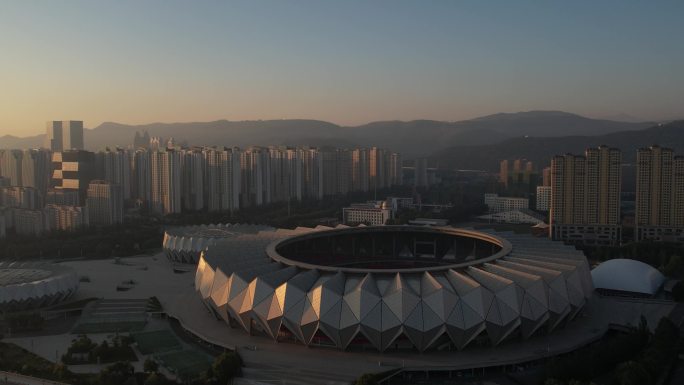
(540, 149)
(412, 138)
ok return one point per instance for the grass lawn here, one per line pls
(186, 363)
(156, 341)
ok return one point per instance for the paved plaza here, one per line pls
(288, 363)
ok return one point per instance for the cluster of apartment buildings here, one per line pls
(583, 196)
(64, 187)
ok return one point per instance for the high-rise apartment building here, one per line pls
(543, 198)
(66, 218)
(222, 178)
(64, 135)
(104, 203)
(192, 174)
(659, 195)
(255, 177)
(312, 173)
(63, 197)
(10, 166)
(165, 191)
(585, 197)
(517, 175)
(141, 186)
(360, 169)
(546, 176)
(29, 222)
(114, 166)
(396, 169)
(36, 169)
(20, 197)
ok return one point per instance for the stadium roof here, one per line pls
(627, 275)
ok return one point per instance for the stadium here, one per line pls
(392, 287)
(184, 244)
(25, 286)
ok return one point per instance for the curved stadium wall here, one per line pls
(386, 285)
(25, 286)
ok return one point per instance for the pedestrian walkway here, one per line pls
(7, 378)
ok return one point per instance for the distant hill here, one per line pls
(541, 149)
(10, 141)
(413, 138)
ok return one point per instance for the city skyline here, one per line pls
(348, 63)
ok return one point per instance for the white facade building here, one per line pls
(497, 204)
(372, 213)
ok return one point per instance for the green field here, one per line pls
(185, 363)
(156, 341)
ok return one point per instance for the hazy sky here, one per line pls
(348, 62)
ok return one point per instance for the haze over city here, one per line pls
(341, 192)
(349, 62)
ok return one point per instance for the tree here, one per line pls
(116, 374)
(678, 291)
(150, 366)
(61, 371)
(226, 366)
(366, 379)
(156, 379)
(632, 373)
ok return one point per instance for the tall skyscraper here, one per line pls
(255, 166)
(503, 172)
(360, 170)
(585, 197)
(64, 135)
(141, 187)
(546, 176)
(312, 173)
(114, 166)
(222, 178)
(10, 166)
(192, 170)
(36, 169)
(396, 170)
(104, 203)
(73, 170)
(659, 195)
(378, 169)
(165, 182)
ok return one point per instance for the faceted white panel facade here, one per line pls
(525, 286)
(184, 244)
(28, 285)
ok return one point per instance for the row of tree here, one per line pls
(635, 358)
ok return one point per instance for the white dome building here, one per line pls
(627, 276)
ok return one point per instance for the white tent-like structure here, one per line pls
(627, 276)
(383, 284)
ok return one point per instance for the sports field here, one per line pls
(185, 363)
(157, 341)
